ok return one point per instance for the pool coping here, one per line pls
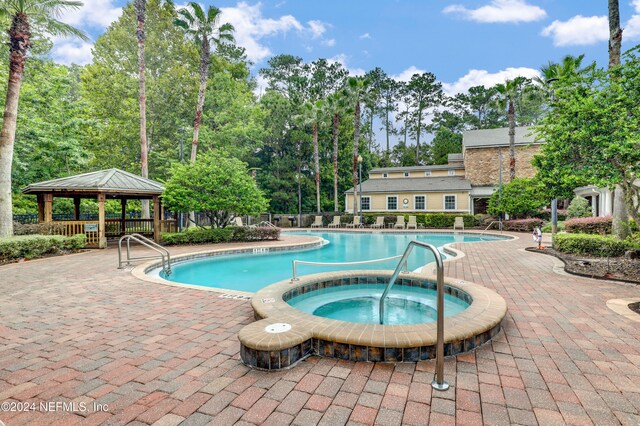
(141, 271)
(464, 331)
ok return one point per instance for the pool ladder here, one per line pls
(438, 383)
(163, 253)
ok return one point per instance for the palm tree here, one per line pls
(311, 116)
(207, 32)
(509, 93)
(25, 16)
(357, 89)
(335, 104)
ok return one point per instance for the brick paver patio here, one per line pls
(76, 329)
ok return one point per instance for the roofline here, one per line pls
(417, 168)
(420, 191)
(539, 142)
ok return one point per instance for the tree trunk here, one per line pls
(620, 225)
(615, 33)
(356, 144)
(419, 117)
(19, 42)
(336, 205)
(140, 8)
(387, 125)
(316, 160)
(204, 75)
(512, 141)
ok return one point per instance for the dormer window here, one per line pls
(427, 173)
(452, 172)
(406, 174)
(384, 175)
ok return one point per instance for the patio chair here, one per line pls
(459, 223)
(379, 222)
(412, 223)
(399, 223)
(335, 223)
(356, 223)
(237, 221)
(317, 222)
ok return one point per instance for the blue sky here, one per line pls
(463, 42)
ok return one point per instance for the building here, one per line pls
(464, 185)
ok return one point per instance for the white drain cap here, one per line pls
(279, 327)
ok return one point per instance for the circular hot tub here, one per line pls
(335, 315)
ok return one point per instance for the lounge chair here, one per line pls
(399, 223)
(237, 221)
(335, 223)
(379, 222)
(459, 223)
(412, 223)
(356, 223)
(317, 223)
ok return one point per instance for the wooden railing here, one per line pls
(140, 226)
(169, 225)
(73, 227)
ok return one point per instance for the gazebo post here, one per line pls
(102, 236)
(123, 216)
(156, 218)
(76, 208)
(48, 208)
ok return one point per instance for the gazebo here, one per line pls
(101, 186)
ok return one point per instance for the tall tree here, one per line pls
(311, 116)
(389, 92)
(25, 16)
(424, 93)
(335, 105)
(357, 90)
(620, 226)
(509, 93)
(140, 7)
(207, 32)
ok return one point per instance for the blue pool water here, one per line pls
(360, 303)
(251, 272)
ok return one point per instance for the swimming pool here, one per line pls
(251, 272)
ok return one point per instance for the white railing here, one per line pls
(295, 264)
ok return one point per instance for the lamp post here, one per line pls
(360, 181)
(554, 202)
(182, 130)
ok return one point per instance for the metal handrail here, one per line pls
(166, 261)
(499, 222)
(295, 264)
(438, 383)
(267, 224)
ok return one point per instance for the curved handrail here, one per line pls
(499, 222)
(295, 264)
(266, 224)
(166, 262)
(438, 383)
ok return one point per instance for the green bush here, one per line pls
(591, 245)
(42, 228)
(579, 207)
(590, 225)
(521, 198)
(221, 235)
(521, 225)
(31, 246)
(547, 227)
(428, 220)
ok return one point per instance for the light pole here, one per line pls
(360, 181)
(182, 130)
(554, 202)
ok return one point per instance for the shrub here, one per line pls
(221, 235)
(547, 228)
(36, 228)
(428, 220)
(521, 225)
(31, 246)
(522, 197)
(589, 225)
(579, 207)
(593, 245)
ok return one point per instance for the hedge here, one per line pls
(43, 228)
(31, 246)
(589, 225)
(593, 245)
(428, 220)
(521, 225)
(221, 235)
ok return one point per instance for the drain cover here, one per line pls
(279, 327)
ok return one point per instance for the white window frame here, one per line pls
(368, 198)
(451, 172)
(444, 202)
(407, 174)
(427, 173)
(415, 202)
(397, 203)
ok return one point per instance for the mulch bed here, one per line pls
(44, 256)
(611, 268)
(635, 307)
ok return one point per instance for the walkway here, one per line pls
(76, 330)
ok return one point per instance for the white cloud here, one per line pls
(94, 13)
(578, 31)
(487, 79)
(632, 27)
(499, 11)
(72, 51)
(342, 60)
(329, 42)
(364, 36)
(317, 28)
(408, 73)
